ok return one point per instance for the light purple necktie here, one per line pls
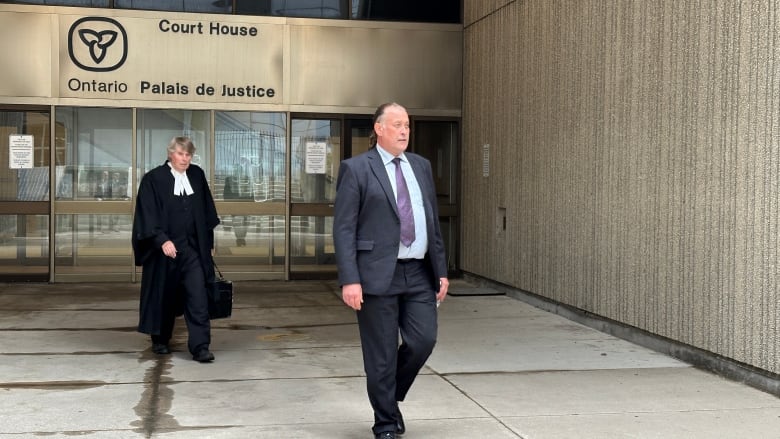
(404, 202)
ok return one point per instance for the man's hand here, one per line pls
(169, 249)
(352, 295)
(444, 285)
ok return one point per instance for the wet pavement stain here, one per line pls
(157, 398)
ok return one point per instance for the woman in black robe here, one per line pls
(173, 239)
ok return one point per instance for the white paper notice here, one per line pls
(20, 154)
(315, 157)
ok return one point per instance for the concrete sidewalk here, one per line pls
(288, 365)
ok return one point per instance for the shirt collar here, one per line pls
(387, 158)
(181, 184)
(174, 171)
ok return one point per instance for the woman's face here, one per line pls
(180, 159)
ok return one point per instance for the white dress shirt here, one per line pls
(181, 183)
(419, 247)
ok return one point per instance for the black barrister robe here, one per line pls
(151, 230)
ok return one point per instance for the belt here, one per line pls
(406, 261)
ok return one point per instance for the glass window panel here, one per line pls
(212, 6)
(360, 136)
(156, 128)
(24, 244)
(25, 184)
(97, 243)
(438, 142)
(250, 153)
(244, 242)
(94, 147)
(432, 11)
(316, 145)
(295, 8)
(311, 236)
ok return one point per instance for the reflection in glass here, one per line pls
(24, 244)
(156, 128)
(311, 241)
(94, 241)
(93, 153)
(250, 156)
(250, 241)
(315, 159)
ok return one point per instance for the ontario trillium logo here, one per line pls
(97, 44)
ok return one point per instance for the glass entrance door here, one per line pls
(438, 141)
(315, 156)
(25, 141)
(92, 195)
(358, 138)
(273, 176)
(250, 189)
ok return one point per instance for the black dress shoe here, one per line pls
(203, 356)
(400, 427)
(385, 435)
(160, 349)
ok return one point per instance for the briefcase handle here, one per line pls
(217, 268)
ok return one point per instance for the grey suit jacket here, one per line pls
(366, 226)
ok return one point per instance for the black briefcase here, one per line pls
(220, 297)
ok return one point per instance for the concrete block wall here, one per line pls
(623, 157)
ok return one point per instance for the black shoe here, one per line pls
(400, 427)
(203, 356)
(160, 349)
(385, 435)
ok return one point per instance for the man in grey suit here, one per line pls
(391, 262)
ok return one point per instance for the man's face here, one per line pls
(180, 159)
(392, 132)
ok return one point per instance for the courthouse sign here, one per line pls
(186, 60)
